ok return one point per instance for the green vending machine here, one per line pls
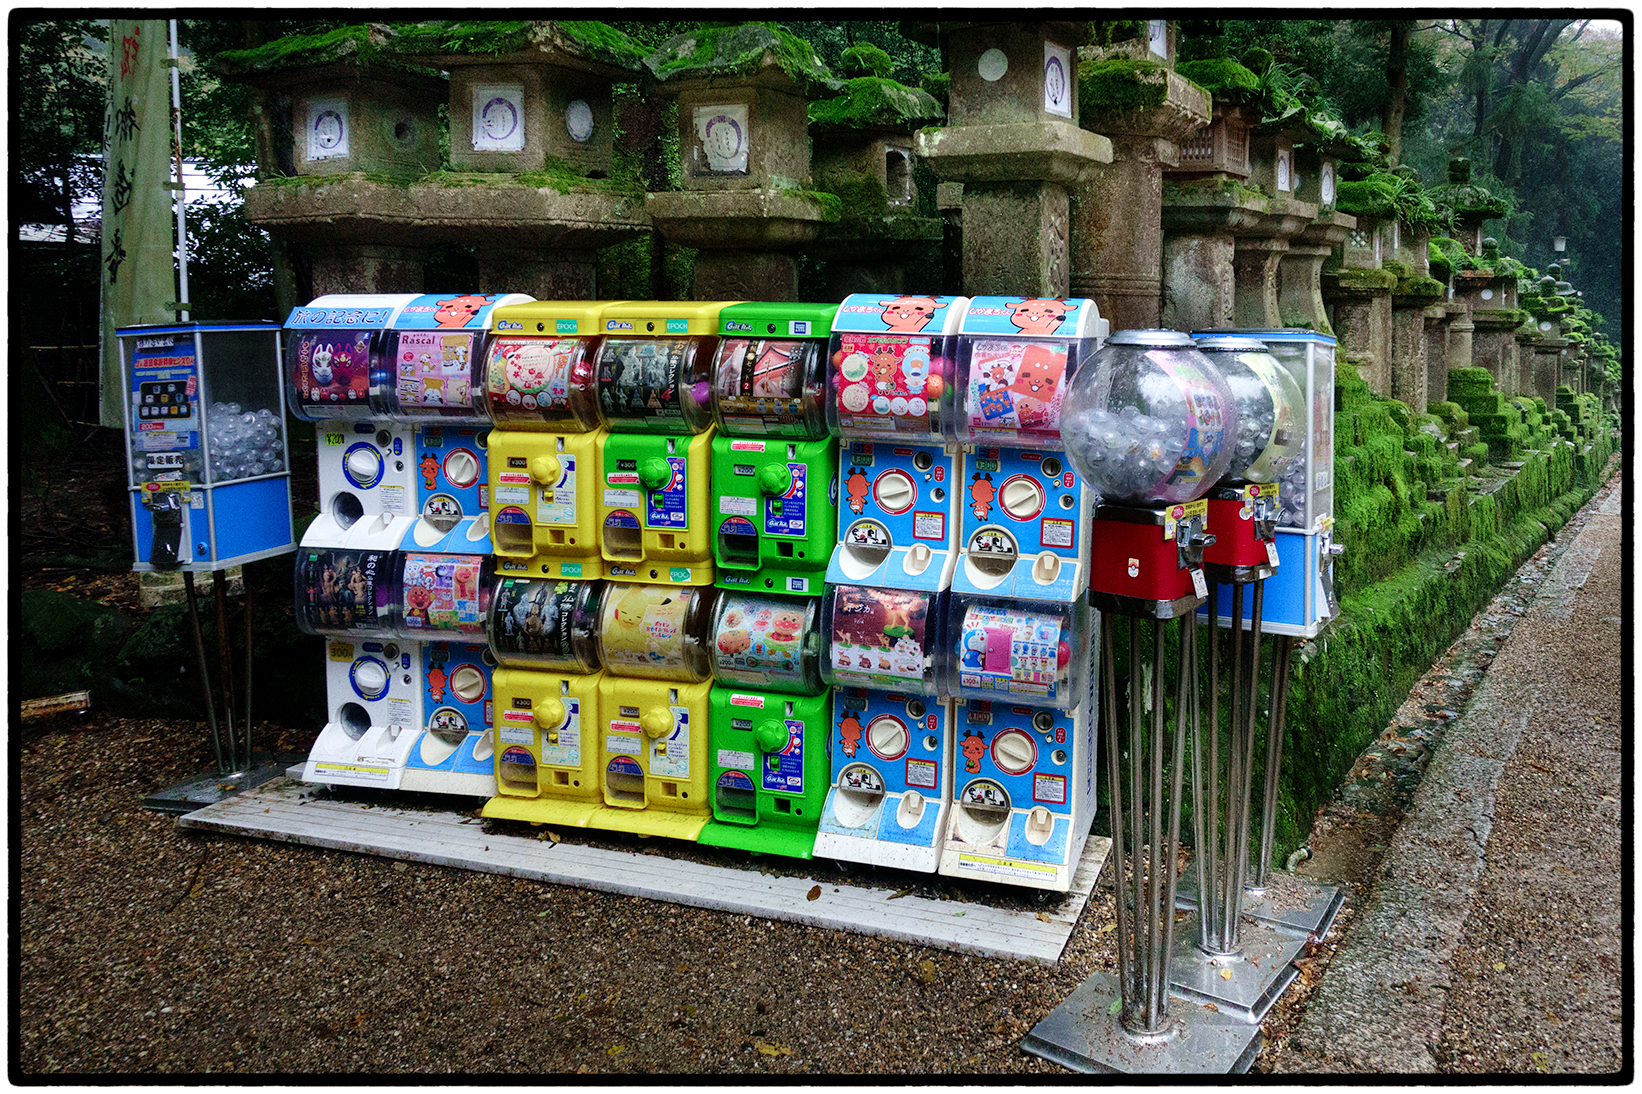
(775, 468)
(769, 726)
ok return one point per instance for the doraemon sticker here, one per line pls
(1012, 652)
(758, 641)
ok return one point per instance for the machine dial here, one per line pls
(370, 678)
(887, 737)
(771, 736)
(655, 473)
(363, 466)
(657, 722)
(775, 478)
(468, 683)
(1013, 751)
(462, 468)
(1022, 498)
(549, 713)
(546, 469)
(894, 492)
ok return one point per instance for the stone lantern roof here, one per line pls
(753, 52)
(595, 48)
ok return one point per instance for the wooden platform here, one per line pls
(286, 809)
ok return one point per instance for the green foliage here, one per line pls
(1224, 79)
(875, 100)
(865, 59)
(463, 36)
(739, 50)
(363, 45)
(1388, 196)
(1119, 86)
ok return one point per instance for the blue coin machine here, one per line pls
(210, 488)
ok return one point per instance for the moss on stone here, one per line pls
(1119, 86)
(832, 208)
(1223, 78)
(865, 59)
(739, 51)
(1350, 278)
(875, 101)
(462, 36)
(1428, 287)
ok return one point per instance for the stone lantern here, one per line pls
(1299, 275)
(1014, 142)
(746, 203)
(862, 152)
(1117, 215)
(1259, 251)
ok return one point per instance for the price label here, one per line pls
(1271, 552)
(1199, 586)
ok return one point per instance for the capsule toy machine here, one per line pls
(654, 706)
(1024, 716)
(767, 740)
(1244, 504)
(1300, 601)
(775, 467)
(542, 633)
(1025, 513)
(654, 376)
(374, 697)
(455, 753)
(888, 397)
(1148, 423)
(545, 445)
(890, 780)
(205, 445)
(433, 380)
(334, 347)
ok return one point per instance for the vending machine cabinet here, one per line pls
(1148, 561)
(773, 504)
(1299, 598)
(653, 757)
(547, 767)
(544, 516)
(653, 507)
(769, 770)
(539, 368)
(449, 462)
(1015, 358)
(890, 369)
(350, 589)
(1023, 651)
(444, 594)
(433, 359)
(883, 639)
(374, 693)
(334, 348)
(1243, 521)
(456, 752)
(205, 445)
(769, 374)
(1025, 524)
(898, 515)
(1023, 793)
(1308, 485)
(654, 366)
(890, 792)
(367, 479)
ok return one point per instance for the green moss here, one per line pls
(1350, 278)
(739, 51)
(1387, 196)
(865, 59)
(1106, 32)
(832, 208)
(875, 100)
(467, 36)
(364, 45)
(1122, 85)
(1222, 78)
(1420, 286)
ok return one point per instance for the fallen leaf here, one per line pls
(1211, 1006)
(768, 1049)
(904, 892)
(926, 971)
(1111, 925)
(1115, 1009)
(309, 942)
(617, 1050)
(1499, 966)
(1541, 1061)
(814, 893)
(1044, 916)
(554, 836)
(689, 1010)
(1225, 974)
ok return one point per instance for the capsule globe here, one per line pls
(1270, 408)
(1149, 419)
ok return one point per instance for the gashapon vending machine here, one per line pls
(888, 399)
(1020, 637)
(205, 445)
(654, 377)
(775, 468)
(545, 448)
(547, 725)
(654, 705)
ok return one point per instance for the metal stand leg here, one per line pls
(237, 768)
(1240, 967)
(1127, 1023)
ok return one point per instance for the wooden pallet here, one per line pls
(286, 809)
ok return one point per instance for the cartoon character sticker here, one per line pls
(1013, 652)
(759, 642)
(530, 380)
(973, 747)
(332, 369)
(433, 371)
(760, 385)
(878, 637)
(443, 593)
(459, 311)
(887, 383)
(1016, 389)
(644, 630)
(981, 495)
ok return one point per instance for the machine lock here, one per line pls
(1190, 539)
(165, 508)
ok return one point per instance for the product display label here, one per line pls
(669, 507)
(340, 588)
(434, 370)
(760, 384)
(441, 593)
(878, 637)
(640, 378)
(758, 641)
(1205, 425)
(643, 626)
(784, 515)
(331, 369)
(1016, 388)
(886, 383)
(532, 379)
(784, 771)
(1011, 652)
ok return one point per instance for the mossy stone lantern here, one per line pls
(1014, 141)
(524, 95)
(746, 205)
(354, 107)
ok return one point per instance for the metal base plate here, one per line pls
(1260, 970)
(1082, 1034)
(206, 790)
(1297, 907)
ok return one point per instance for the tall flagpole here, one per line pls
(182, 191)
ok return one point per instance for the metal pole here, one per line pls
(1114, 782)
(1239, 861)
(225, 654)
(182, 193)
(1282, 662)
(1137, 839)
(1236, 762)
(1187, 669)
(1157, 913)
(249, 754)
(205, 675)
(1200, 857)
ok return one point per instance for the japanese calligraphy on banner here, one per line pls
(138, 279)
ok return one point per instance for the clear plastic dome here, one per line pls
(1270, 407)
(1149, 419)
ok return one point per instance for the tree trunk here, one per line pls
(1396, 76)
